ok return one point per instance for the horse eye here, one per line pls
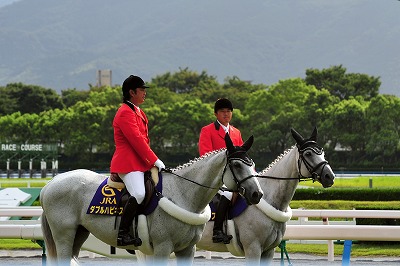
(308, 153)
(236, 164)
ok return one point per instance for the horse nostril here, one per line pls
(256, 196)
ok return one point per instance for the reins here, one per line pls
(168, 170)
(312, 170)
(230, 158)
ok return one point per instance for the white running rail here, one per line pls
(30, 229)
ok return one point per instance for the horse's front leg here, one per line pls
(252, 253)
(162, 252)
(185, 256)
(267, 256)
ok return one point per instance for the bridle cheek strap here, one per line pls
(238, 182)
(312, 170)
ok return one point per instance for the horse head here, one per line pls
(243, 171)
(312, 161)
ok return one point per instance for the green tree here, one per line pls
(8, 104)
(348, 127)
(158, 118)
(272, 113)
(238, 90)
(71, 96)
(52, 126)
(32, 98)
(184, 122)
(383, 135)
(161, 96)
(18, 127)
(83, 128)
(343, 85)
(183, 81)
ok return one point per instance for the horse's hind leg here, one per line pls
(80, 237)
(64, 240)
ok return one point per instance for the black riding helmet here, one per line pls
(132, 83)
(222, 103)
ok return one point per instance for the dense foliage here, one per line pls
(358, 127)
(349, 194)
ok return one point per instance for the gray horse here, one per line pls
(260, 228)
(175, 225)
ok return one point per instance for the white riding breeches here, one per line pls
(226, 194)
(134, 182)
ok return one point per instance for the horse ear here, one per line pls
(314, 134)
(296, 135)
(247, 145)
(229, 143)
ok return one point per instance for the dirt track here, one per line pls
(34, 258)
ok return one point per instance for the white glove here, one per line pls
(159, 164)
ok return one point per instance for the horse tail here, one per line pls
(49, 240)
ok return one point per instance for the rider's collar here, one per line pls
(218, 125)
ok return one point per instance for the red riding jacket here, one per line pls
(132, 143)
(212, 137)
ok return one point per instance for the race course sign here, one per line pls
(26, 147)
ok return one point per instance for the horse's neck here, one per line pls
(206, 177)
(278, 192)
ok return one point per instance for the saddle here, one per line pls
(150, 182)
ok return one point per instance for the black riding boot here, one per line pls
(124, 237)
(218, 233)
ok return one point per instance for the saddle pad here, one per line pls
(105, 201)
(153, 203)
(238, 207)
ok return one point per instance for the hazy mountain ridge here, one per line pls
(61, 44)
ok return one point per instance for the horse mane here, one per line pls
(277, 160)
(195, 160)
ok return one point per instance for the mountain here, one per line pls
(7, 2)
(61, 44)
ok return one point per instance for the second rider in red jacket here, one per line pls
(212, 138)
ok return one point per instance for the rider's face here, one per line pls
(224, 116)
(138, 96)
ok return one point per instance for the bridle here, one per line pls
(310, 146)
(240, 156)
(306, 146)
(233, 157)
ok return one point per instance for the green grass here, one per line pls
(343, 204)
(18, 244)
(23, 182)
(361, 182)
(358, 249)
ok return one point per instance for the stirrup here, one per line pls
(220, 236)
(127, 239)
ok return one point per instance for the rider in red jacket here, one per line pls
(212, 138)
(133, 155)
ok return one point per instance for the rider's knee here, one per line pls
(226, 194)
(140, 197)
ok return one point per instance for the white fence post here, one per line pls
(331, 249)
